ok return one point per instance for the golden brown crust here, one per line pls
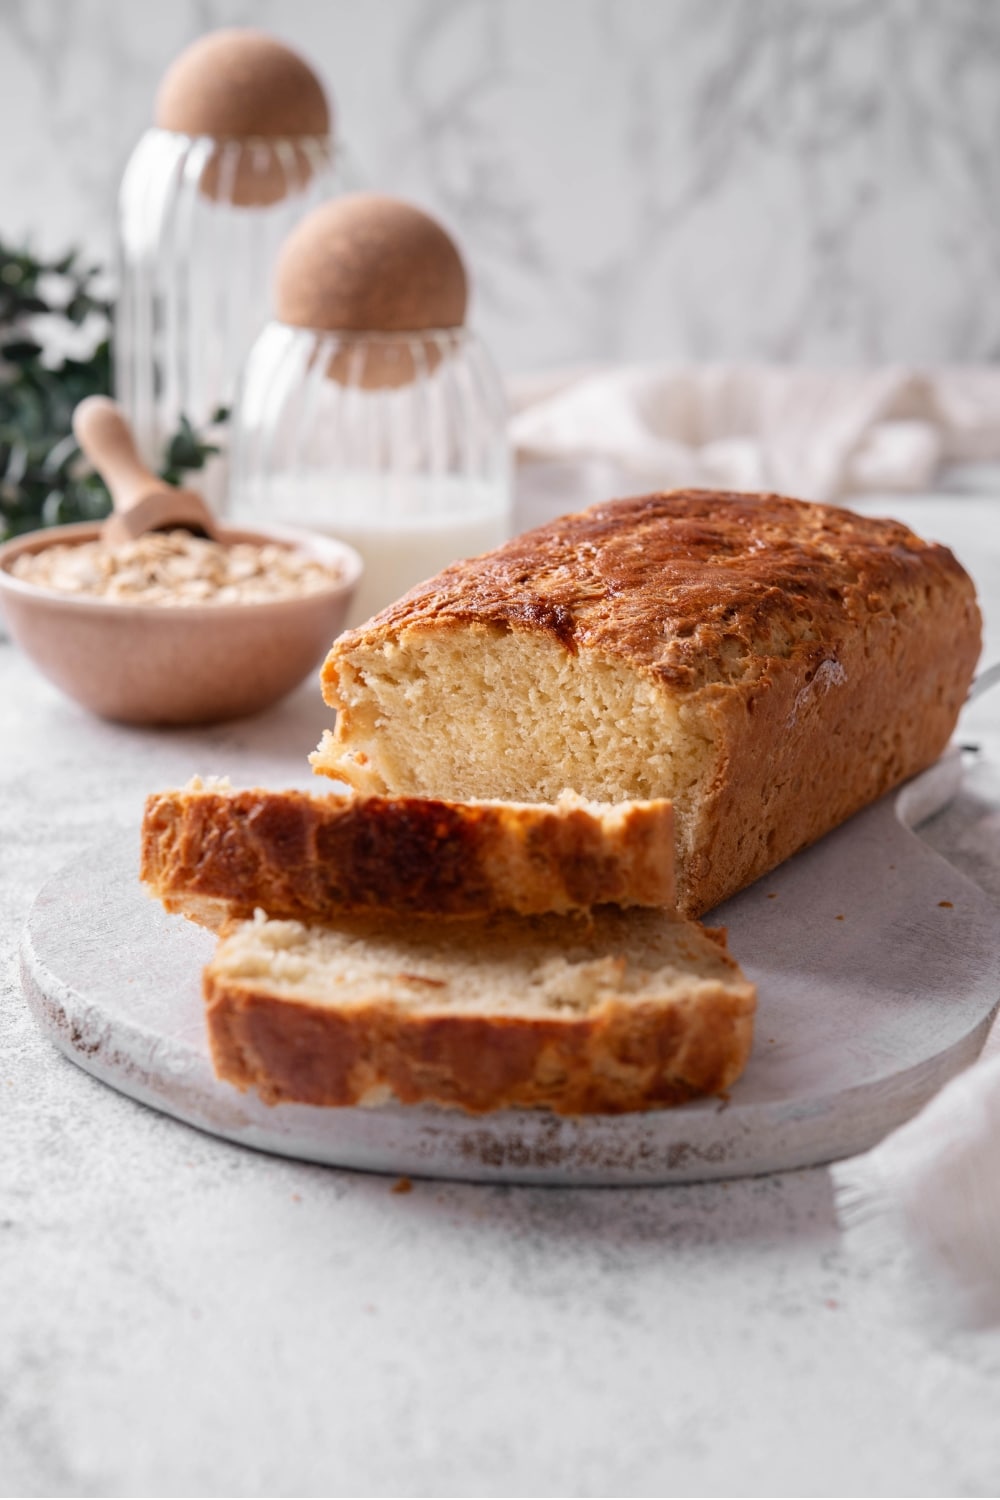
(619, 1056)
(621, 1060)
(693, 586)
(796, 757)
(821, 656)
(218, 855)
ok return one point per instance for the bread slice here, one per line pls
(613, 1011)
(216, 854)
(768, 665)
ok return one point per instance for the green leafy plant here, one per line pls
(55, 328)
(187, 451)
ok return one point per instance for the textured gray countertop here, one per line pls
(181, 1316)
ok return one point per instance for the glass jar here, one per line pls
(396, 443)
(199, 225)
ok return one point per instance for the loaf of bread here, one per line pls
(216, 854)
(769, 665)
(598, 1013)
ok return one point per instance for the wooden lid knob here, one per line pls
(365, 263)
(240, 84)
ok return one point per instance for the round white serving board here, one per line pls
(872, 993)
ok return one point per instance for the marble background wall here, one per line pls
(814, 180)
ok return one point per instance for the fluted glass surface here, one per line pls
(396, 444)
(200, 224)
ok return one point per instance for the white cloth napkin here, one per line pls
(819, 434)
(930, 1192)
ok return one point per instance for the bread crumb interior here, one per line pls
(503, 966)
(521, 721)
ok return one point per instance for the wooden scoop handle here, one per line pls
(142, 501)
(102, 430)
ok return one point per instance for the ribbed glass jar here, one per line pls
(200, 222)
(394, 443)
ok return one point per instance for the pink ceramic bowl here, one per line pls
(196, 664)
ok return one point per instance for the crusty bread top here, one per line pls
(214, 853)
(693, 586)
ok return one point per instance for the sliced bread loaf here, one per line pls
(603, 1013)
(216, 854)
(769, 665)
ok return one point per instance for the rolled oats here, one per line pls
(174, 569)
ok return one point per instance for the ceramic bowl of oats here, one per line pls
(170, 628)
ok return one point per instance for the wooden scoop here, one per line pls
(142, 502)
